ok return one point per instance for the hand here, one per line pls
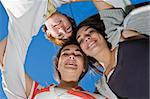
(101, 4)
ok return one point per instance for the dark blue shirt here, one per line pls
(131, 76)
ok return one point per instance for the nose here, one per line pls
(61, 31)
(87, 38)
(71, 56)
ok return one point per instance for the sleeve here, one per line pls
(58, 3)
(37, 88)
(119, 3)
(20, 32)
(113, 19)
(104, 89)
(138, 20)
(18, 7)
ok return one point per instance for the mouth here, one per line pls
(91, 44)
(71, 65)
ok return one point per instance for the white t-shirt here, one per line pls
(25, 20)
(53, 92)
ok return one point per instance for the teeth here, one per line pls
(91, 43)
(71, 63)
(71, 66)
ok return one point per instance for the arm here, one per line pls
(2, 49)
(116, 3)
(137, 20)
(101, 5)
(126, 33)
(12, 75)
(29, 81)
(16, 83)
(29, 84)
(58, 3)
(12, 78)
(113, 19)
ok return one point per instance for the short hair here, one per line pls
(57, 41)
(58, 56)
(96, 23)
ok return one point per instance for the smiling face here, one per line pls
(90, 41)
(58, 26)
(71, 63)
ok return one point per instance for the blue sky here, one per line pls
(41, 52)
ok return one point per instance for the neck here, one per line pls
(107, 59)
(67, 85)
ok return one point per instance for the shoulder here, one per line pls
(37, 88)
(137, 40)
(19, 7)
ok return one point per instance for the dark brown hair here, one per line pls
(84, 56)
(96, 23)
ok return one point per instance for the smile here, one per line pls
(71, 65)
(92, 44)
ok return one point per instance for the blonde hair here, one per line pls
(57, 41)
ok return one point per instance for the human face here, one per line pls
(58, 26)
(90, 41)
(71, 63)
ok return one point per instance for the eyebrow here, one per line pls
(85, 30)
(57, 24)
(69, 49)
(78, 50)
(65, 50)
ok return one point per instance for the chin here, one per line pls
(71, 80)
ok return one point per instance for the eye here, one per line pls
(65, 54)
(78, 54)
(69, 29)
(59, 35)
(91, 31)
(80, 41)
(57, 23)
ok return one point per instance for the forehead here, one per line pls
(56, 18)
(71, 47)
(83, 30)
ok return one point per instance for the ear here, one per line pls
(56, 67)
(83, 70)
(44, 28)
